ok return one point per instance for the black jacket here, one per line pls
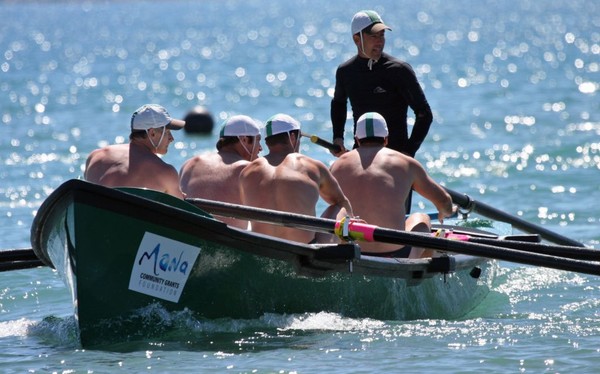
(388, 89)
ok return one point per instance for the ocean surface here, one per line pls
(515, 90)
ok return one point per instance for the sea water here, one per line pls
(514, 90)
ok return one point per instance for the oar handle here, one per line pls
(375, 233)
(350, 229)
(323, 143)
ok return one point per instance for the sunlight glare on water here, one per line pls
(514, 90)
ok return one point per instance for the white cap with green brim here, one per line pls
(371, 125)
(281, 123)
(366, 18)
(240, 125)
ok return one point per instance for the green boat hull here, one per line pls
(120, 251)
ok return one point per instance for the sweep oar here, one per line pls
(275, 217)
(465, 202)
(522, 242)
(17, 259)
(574, 252)
(470, 246)
(323, 143)
(361, 231)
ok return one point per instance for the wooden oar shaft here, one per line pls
(17, 259)
(398, 237)
(20, 265)
(578, 253)
(265, 215)
(323, 143)
(486, 250)
(17, 254)
(466, 202)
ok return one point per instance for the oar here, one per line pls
(522, 242)
(323, 143)
(578, 253)
(362, 231)
(17, 259)
(465, 202)
(276, 217)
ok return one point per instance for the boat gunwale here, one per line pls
(306, 256)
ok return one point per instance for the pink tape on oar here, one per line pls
(356, 230)
(362, 229)
(453, 236)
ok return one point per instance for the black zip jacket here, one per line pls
(388, 89)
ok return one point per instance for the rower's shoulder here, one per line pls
(307, 160)
(252, 167)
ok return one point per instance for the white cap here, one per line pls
(152, 116)
(281, 123)
(366, 18)
(240, 125)
(370, 125)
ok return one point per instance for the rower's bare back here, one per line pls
(290, 184)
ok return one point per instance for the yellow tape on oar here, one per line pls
(354, 229)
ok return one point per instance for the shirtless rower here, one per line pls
(377, 181)
(215, 175)
(137, 163)
(286, 180)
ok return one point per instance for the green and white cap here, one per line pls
(239, 125)
(365, 19)
(280, 123)
(370, 125)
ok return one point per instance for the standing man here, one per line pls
(215, 175)
(374, 81)
(137, 164)
(378, 179)
(286, 180)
